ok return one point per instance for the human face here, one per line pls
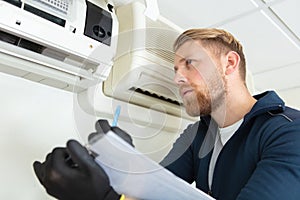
(200, 79)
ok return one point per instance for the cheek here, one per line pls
(195, 78)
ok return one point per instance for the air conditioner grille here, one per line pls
(163, 54)
(160, 39)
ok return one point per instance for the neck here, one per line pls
(234, 107)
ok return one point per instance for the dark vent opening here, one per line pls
(32, 46)
(17, 3)
(45, 15)
(17, 41)
(146, 92)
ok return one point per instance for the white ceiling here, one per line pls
(268, 29)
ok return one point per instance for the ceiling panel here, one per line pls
(264, 45)
(288, 11)
(280, 79)
(271, 1)
(291, 97)
(202, 13)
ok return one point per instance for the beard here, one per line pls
(205, 98)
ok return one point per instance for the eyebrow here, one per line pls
(180, 61)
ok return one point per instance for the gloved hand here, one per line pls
(102, 127)
(72, 174)
(83, 179)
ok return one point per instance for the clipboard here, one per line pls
(133, 174)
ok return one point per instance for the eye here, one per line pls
(188, 61)
(188, 64)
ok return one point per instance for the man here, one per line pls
(243, 147)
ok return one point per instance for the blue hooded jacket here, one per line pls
(260, 161)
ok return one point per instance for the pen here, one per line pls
(116, 115)
(69, 160)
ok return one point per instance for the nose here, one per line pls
(179, 78)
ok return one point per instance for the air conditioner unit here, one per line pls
(68, 44)
(143, 73)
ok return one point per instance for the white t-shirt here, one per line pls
(223, 135)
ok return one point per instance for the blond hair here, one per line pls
(218, 41)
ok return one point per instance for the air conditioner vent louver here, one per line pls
(44, 50)
(154, 95)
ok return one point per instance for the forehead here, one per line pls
(191, 49)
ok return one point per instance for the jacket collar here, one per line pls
(266, 102)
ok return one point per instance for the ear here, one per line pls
(233, 60)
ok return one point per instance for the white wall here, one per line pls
(36, 118)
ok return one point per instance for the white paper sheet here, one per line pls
(135, 175)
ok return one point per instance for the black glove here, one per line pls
(102, 127)
(80, 179)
